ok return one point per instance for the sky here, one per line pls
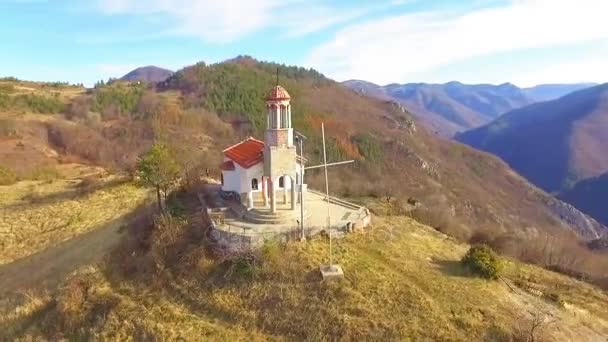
(525, 42)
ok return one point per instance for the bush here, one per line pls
(482, 261)
(555, 298)
(44, 173)
(7, 176)
(81, 301)
(40, 104)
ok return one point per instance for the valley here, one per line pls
(558, 145)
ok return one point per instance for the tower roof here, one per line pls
(246, 153)
(278, 93)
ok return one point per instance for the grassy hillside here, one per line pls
(554, 144)
(203, 108)
(403, 281)
(35, 215)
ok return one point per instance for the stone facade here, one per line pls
(279, 161)
(279, 137)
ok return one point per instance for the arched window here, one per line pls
(283, 117)
(281, 182)
(273, 116)
(254, 184)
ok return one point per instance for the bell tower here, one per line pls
(279, 132)
(279, 151)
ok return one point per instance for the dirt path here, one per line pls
(49, 267)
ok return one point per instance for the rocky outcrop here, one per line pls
(585, 226)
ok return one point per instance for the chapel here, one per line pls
(266, 174)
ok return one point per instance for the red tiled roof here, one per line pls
(246, 153)
(278, 93)
(227, 166)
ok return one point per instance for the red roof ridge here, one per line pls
(242, 141)
(246, 153)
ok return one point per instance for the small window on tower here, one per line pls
(254, 184)
(281, 182)
(283, 117)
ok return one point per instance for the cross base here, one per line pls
(331, 272)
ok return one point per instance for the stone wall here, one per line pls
(279, 161)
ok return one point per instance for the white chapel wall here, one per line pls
(255, 171)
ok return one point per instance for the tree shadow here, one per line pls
(74, 192)
(49, 267)
(452, 268)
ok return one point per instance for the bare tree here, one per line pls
(534, 328)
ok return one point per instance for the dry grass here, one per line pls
(37, 214)
(403, 282)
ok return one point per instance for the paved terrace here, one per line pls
(232, 229)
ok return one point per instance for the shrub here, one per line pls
(7, 176)
(482, 261)
(81, 302)
(40, 104)
(167, 241)
(243, 265)
(44, 173)
(5, 100)
(555, 298)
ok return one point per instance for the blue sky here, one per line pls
(525, 42)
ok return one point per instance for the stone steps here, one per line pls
(282, 216)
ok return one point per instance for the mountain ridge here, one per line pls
(553, 143)
(149, 73)
(453, 107)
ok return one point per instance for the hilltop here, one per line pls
(152, 74)
(166, 280)
(554, 144)
(112, 124)
(403, 281)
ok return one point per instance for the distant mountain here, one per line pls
(149, 73)
(548, 92)
(554, 144)
(590, 196)
(450, 107)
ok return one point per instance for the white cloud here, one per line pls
(591, 69)
(391, 48)
(211, 20)
(228, 20)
